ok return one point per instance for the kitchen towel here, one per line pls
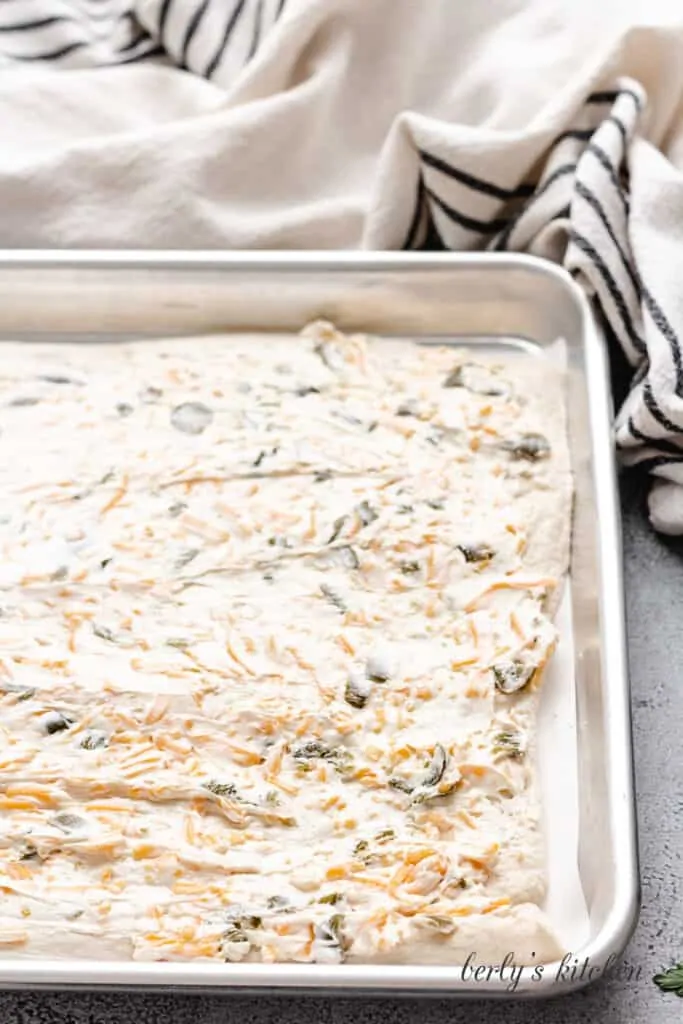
(545, 126)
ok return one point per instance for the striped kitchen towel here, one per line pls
(547, 126)
(213, 38)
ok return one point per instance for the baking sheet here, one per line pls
(55, 295)
(565, 902)
(556, 732)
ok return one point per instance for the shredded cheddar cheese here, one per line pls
(273, 619)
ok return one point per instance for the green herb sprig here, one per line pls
(671, 979)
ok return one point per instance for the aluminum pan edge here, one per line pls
(608, 944)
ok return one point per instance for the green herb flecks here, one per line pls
(424, 794)
(437, 922)
(348, 417)
(151, 394)
(348, 557)
(358, 690)
(512, 676)
(429, 786)
(337, 528)
(378, 667)
(478, 379)
(56, 721)
(28, 852)
(264, 454)
(177, 508)
(21, 403)
(278, 903)
(436, 767)
(68, 822)
(221, 788)
(330, 932)
(334, 597)
(396, 782)
(60, 378)
(366, 513)
(94, 739)
(409, 568)
(244, 920)
(476, 552)
(104, 633)
(106, 479)
(366, 850)
(236, 940)
(330, 355)
(509, 744)
(408, 408)
(531, 447)
(313, 750)
(20, 691)
(331, 897)
(186, 557)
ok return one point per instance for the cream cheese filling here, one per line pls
(274, 614)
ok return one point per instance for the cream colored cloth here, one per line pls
(549, 126)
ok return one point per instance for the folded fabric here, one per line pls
(546, 126)
(208, 37)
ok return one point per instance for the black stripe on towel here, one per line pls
(612, 287)
(140, 36)
(51, 54)
(607, 165)
(192, 26)
(232, 21)
(155, 50)
(478, 184)
(258, 16)
(582, 134)
(416, 220)
(656, 412)
(164, 12)
(30, 26)
(603, 96)
(657, 461)
(433, 242)
(665, 446)
(482, 227)
(610, 95)
(559, 172)
(585, 193)
(623, 131)
(657, 314)
(641, 372)
(663, 325)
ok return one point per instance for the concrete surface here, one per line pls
(654, 581)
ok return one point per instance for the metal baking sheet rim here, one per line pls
(608, 944)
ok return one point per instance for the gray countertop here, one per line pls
(653, 576)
